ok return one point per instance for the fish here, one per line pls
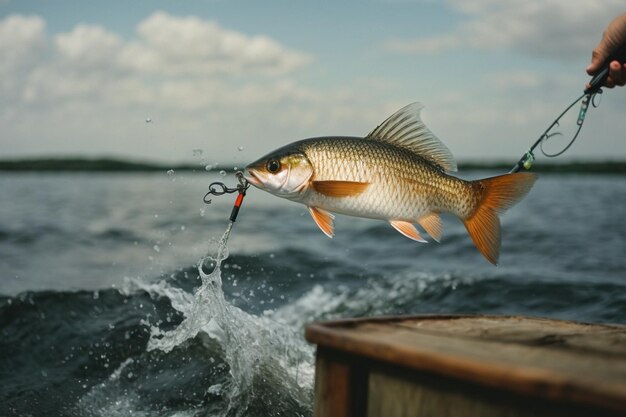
(400, 173)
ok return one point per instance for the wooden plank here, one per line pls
(548, 359)
(331, 388)
(584, 337)
(393, 397)
(340, 386)
(396, 394)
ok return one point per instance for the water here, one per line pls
(119, 295)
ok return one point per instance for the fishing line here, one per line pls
(528, 158)
(588, 97)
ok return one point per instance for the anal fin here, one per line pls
(431, 222)
(324, 220)
(407, 229)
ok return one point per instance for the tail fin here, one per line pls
(498, 194)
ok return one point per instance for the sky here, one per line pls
(217, 81)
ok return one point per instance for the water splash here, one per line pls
(206, 305)
(270, 364)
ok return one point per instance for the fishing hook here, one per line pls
(219, 188)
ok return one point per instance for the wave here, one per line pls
(163, 348)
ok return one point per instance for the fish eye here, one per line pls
(273, 166)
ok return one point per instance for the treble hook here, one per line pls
(219, 188)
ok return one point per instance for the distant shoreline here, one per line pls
(120, 165)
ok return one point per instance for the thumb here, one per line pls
(598, 56)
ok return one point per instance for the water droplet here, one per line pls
(208, 167)
(240, 148)
(182, 227)
(170, 172)
(272, 256)
(223, 173)
(197, 152)
(148, 120)
(156, 248)
(235, 168)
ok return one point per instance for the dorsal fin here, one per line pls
(405, 128)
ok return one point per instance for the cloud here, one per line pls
(168, 45)
(22, 43)
(175, 62)
(562, 29)
(21, 38)
(88, 90)
(89, 46)
(172, 45)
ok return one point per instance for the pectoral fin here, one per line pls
(407, 229)
(431, 222)
(324, 220)
(339, 188)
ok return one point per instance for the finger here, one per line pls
(615, 70)
(623, 75)
(595, 62)
(610, 82)
(617, 74)
(598, 55)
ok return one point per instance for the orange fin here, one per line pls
(340, 188)
(407, 229)
(431, 222)
(324, 220)
(498, 194)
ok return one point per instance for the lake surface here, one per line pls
(103, 311)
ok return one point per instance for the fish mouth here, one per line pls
(252, 178)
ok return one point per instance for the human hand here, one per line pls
(613, 38)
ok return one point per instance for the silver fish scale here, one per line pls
(403, 186)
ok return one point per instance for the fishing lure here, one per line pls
(219, 188)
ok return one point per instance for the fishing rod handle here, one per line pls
(600, 77)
